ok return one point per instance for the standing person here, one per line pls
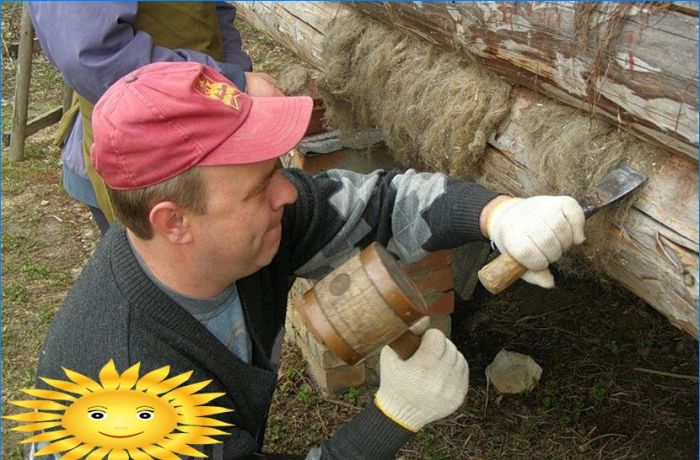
(94, 44)
(214, 233)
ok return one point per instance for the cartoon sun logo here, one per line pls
(121, 417)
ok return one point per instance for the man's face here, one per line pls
(241, 228)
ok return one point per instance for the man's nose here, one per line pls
(283, 192)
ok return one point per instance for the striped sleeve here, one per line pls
(340, 212)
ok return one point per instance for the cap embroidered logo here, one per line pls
(220, 91)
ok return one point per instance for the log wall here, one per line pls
(656, 252)
(637, 64)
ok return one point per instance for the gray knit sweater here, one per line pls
(115, 312)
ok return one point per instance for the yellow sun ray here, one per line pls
(200, 411)
(47, 436)
(36, 426)
(167, 385)
(137, 454)
(82, 380)
(39, 405)
(118, 454)
(197, 430)
(79, 452)
(109, 377)
(203, 421)
(98, 454)
(59, 446)
(128, 378)
(207, 440)
(66, 386)
(122, 417)
(48, 394)
(33, 417)
(202, 398)
(151, 378)
(179, 445)
(160, 453)
(187, 389)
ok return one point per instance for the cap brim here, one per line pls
(274, 126)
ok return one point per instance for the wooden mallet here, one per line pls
(366, 303)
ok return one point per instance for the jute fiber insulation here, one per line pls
(295, 80)
(436, 109)
(574, 152)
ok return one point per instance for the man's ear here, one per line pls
(168, 221)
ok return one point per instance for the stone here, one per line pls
(513, 373)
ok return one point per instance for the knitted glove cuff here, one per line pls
(495, 211)
(403, 415)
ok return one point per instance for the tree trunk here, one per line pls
(656, 251)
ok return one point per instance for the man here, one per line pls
(94, 44)
(215, 233)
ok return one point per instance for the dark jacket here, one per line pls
(114, 311)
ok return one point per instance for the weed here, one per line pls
(550, 400)
(304, 395)
(276, 432)
(425, 438)
(15, 292)
(599, 392)
(294, 373)
(351, 395)
(37, 272)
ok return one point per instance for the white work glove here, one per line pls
(428, 386)
(536, 231)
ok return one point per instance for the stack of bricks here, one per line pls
(433, 275)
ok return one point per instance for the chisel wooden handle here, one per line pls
(406, 344)
(500, 273)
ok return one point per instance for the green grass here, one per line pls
(41, 249)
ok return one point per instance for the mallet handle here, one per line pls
(406, 344)
(500, 273)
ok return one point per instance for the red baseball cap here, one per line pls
(167, 117)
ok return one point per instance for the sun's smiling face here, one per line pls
(120, 419)
(123, 416)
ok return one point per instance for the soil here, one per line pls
(597, 345)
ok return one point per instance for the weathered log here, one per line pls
(633, 64)
(299, 26)
(655, 253)
(636, 64)
(656, 250)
